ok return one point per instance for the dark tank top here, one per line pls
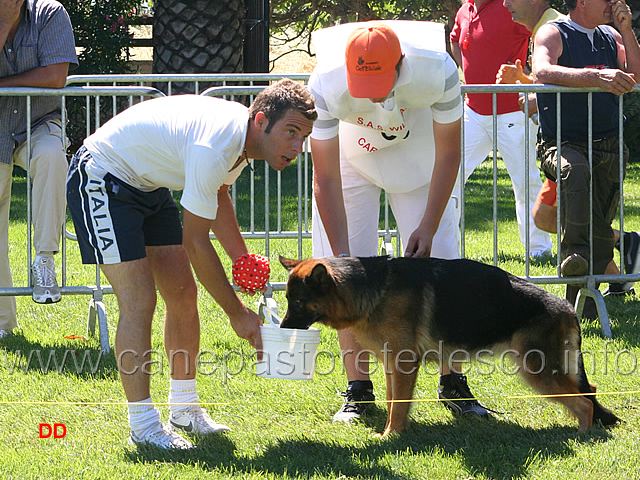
(578, 52)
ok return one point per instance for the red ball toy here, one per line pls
(251, 271)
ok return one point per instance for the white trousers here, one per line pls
(478, 144)
(48, 170)
(362, 204)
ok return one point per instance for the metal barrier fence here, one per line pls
(230, 89)
(120, 87)
(590, 280)
(96, 311)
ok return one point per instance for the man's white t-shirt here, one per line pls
(182, 142)
(427, 90)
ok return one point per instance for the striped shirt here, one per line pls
(44, 37)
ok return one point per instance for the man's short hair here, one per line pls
(571, 4)
(275, 100)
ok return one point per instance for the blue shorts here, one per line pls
(114, 221)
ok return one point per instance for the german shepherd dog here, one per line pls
(404, 308)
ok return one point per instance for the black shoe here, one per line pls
(619, 289)
(631, 257)
(357, 391)
(458, 398)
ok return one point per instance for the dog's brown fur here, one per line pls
(404, 305)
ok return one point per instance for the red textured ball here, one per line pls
(251, 271)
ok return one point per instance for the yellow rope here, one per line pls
(509, 397)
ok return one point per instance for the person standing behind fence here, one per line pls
(126, 221)
(533, 14)
(483, 38)
(582, 51)
(38, 49)
(388, 118)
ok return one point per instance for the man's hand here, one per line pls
(10, 11)
(251, 293)
(512, 73)
(615, 81)
(419, 244)
(533, 104)
(247, 326)
(621, 15)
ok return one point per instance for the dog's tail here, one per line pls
(600, 414)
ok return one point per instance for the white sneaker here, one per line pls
(6, 333)
(163, 438)
(196, 421)
(43, 279)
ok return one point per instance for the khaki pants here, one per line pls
(575, 197)
(48, 169)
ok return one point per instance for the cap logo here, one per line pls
(363, 66)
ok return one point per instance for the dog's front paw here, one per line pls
(385, 435)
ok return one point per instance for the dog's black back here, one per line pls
(472, 303)
(395, 305)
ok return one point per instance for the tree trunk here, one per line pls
(199, 36)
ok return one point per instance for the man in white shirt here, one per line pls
(388, 119)
(126, 221)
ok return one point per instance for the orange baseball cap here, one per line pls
(373, 51)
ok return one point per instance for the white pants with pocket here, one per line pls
(478, 144)
(362, 205)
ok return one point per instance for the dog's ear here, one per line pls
(319, 279)
(288, 263)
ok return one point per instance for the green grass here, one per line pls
(281, 428)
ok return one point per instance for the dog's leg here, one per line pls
(567, 391)
(389, 392)
(559, 372)
(402, 381)
(580, 406)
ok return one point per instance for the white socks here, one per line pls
(182, 392)
(143, 419)
(41, 255)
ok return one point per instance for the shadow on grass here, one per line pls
(478, 198)
(624, 320)
(19, 355)
(495, 449)
(504, 257)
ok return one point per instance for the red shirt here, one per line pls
(488, 37)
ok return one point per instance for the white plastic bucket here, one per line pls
(288, 353)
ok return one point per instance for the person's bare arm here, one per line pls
(547, 50)
(628, 48)
(456, 53)
(225, 226)
(211, 274)
(227, 232)
(445, 171)
(327, 189)
(51, 76)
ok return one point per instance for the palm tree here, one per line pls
(197, 36)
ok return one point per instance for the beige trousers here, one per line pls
(48, 170)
